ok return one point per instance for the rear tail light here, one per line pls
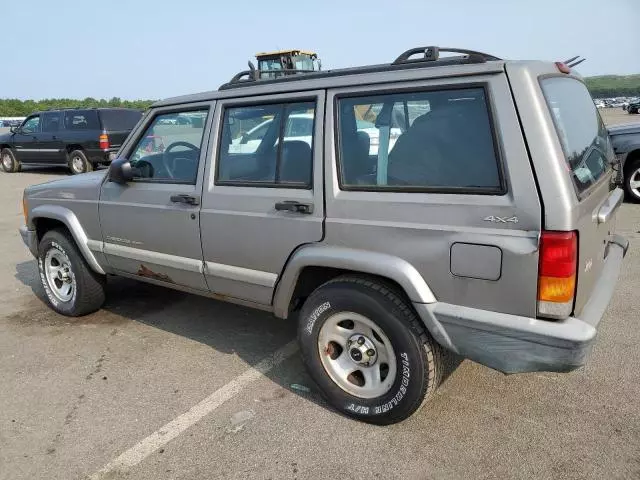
(557, 274)
(104, 141)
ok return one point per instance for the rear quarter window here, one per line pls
(81, 120)
(585, 142)
(119, 120)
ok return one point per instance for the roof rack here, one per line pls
(432, 54)
(430, 58)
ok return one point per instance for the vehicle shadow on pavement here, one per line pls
(250, 334)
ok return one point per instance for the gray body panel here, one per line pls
(472, 279)
(420, 228)
(245, 241)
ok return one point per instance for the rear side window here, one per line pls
(81, 120)
(50, 122)
(119, 120)
(435, 141)
(584, 138)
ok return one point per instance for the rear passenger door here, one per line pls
(421, 173)
(264, 199)
(52, 147)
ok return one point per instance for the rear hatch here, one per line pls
(118, 123)
(589, 159)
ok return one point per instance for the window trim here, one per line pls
(284, 102)
(500, 190)
(148, 121)
(609, 172)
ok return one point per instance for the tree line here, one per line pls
(601, 86)
(614, 86)
(12, 107)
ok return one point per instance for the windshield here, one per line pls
(584, 138)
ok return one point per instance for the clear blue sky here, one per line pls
(156, 49)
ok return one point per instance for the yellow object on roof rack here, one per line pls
(285, 52)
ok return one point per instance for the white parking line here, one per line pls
(175, 427)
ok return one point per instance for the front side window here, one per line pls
(256, 150)
(31, 125)
(439, 140)
(584, 138)
(169, 149)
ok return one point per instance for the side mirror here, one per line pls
(121, 171)
(14, 129)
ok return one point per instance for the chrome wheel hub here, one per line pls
(59, 276)
(357, 355)
(362, 350)
(634, 183)
(78, 164)
(6, 161)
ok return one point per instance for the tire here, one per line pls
(418, 358)
(632, 175)
(78, 163)
(87, 291)
(9, 162)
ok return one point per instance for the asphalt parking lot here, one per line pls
(162, 384)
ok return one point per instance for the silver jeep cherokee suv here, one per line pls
(481, 221)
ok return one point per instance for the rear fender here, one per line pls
(380, 264)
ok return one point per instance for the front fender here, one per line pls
(381, 264)
(69, 219)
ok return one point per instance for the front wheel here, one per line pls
(71, 287)
(9, 162)
(364, 346)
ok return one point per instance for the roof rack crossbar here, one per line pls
(432, 54)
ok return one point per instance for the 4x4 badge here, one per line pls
(494, 219)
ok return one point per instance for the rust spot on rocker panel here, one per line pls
(146, 272)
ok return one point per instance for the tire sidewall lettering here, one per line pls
(313, 317)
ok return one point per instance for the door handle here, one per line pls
(186, 199)
(294, 206)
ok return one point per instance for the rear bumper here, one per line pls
(515, 344)
(30, 239)
(101, 156)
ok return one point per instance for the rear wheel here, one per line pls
(367, 350)
(632, 180)
(72, 288)
(9, 162)
(78, 162)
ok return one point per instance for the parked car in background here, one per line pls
(300, 127)
(634, 106)
(626, 145)
(488, 229)
(78, 138)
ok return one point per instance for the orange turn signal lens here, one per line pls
(557, 290)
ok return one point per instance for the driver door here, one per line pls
(151, 226)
